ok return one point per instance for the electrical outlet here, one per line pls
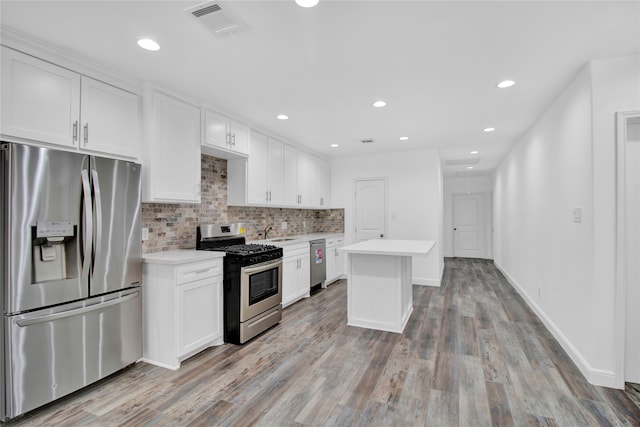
(145, 234)
(283, 225)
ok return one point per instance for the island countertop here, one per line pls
(390, 247)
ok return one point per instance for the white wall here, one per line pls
(468, 185)
(565, 269)
(414, 195)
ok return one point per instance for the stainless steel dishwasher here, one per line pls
(318, 263)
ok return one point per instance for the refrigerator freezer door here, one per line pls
(117, 238)
(56, 351)
(43, 197)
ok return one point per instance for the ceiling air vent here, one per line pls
(217, 17)
(367, 141)
(462, 162)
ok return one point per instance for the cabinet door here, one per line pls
(290, 268)
(240, 137)
(40, 101)
(340, 257)
(304, 176)
(304, 275)
(290, 196)
(331, 262)
(216, 130)
(174, 151)
(275, 171)
(323, 182)
(198, 313)
(258, 190)
(110, 120)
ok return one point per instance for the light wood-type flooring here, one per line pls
(472, 354)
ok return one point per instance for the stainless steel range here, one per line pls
(252, 281)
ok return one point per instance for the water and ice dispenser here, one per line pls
(54, 250)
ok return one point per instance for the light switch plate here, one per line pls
(283, 226)
(145, 234)
(577, 214)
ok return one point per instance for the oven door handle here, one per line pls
(257, 268)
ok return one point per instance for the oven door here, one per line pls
(260, 288)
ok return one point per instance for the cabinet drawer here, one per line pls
(196, 271)
(335, 242)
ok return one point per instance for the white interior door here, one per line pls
(468, 225)
(631, 246)
(370, 209)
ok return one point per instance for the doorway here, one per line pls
(628, 237)
(469, 226)
(371, 208)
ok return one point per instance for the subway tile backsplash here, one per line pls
(173, 226)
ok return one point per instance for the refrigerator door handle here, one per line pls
(97, 197)
(88, 227)
(76, 312)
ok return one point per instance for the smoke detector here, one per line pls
(217, 17)
(367, 141)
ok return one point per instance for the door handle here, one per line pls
(381, 236)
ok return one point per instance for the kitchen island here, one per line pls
(379, 280)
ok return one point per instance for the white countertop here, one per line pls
(181, 256)
(295, 240)
(390, 247)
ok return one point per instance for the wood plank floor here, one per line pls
(473, 354)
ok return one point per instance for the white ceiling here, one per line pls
(436, 64)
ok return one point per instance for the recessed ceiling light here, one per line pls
(404, 138)
(334, 146)
(282, 117)
(474, 152)
(148, 44)
(489, 129)
(469, 167)
(379, 104)
(506, 83)
(307, 3)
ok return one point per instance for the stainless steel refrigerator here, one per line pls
(71, 272)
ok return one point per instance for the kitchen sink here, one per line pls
(282, 239)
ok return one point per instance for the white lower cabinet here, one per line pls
(335, 260)
(182, 306)
(296, 273)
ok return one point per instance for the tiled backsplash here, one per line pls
(173, 226)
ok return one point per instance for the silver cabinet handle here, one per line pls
(204, 270)
(86, 133)
(266, 196)
(75, 130)
(228, 141)
(269, 190)
(233, 144)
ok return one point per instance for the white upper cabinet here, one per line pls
(224, 137)
(290, 176)
(110, 119)
(276, 174)
(258, 186)
(171, 172)
(265, 171)
(45, 103)
(323, 182)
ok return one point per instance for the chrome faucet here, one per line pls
(267, 230)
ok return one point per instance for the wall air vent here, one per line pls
(367, 141)
(217, 17)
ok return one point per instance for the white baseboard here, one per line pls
(595, 376)
(429, 282)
